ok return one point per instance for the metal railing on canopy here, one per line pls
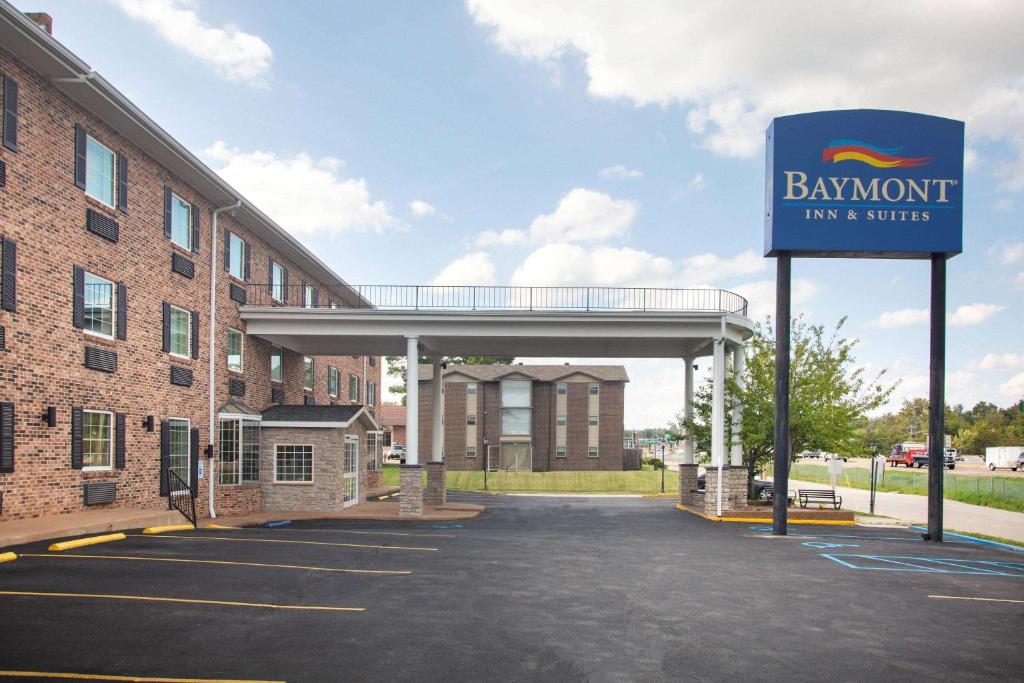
(496, 298)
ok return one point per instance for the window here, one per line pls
(471, 388)
(239, 451)
(97, 440)
(99, 306)
(177, 456)
(293, 464)
(353, 388)
(560, 419)
(593, 389)
(181, 332)
(277, 281)
(236, 256)
(276, 363)
(592, 420)
(307, 375)
(515, 406)
(332, 381)
(99, 171)
(560, 452)
(563, 388)
(471, 419)
(592, 452)
(471, 452)
(235, 358)
(371, 393)
(181, 222)
(308, 296)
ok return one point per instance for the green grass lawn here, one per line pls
(1005, 493)
(641, 481)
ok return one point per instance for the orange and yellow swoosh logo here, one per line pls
(879, 157)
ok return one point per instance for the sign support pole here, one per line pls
(780, 499)
(936, 398)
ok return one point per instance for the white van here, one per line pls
(1004, 456)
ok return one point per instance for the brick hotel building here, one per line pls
(115, 368)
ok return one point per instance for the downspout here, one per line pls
(213, 349)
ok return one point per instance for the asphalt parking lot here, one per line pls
(536, 588)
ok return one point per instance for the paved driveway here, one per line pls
(560, 589)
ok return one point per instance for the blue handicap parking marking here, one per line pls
(929, 565)
(761, 528)
(822, 544)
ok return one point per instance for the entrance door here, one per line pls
(350, 472)
(178, 460)
(515, 457)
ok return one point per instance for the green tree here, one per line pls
(396, 366)
(830, 396)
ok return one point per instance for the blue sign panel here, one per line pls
(864, 183)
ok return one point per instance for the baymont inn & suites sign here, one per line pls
(864, 183)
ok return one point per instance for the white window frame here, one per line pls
(353, 381)
(371, 393)
(241, 425)
(594, 389)
(592, 452)
(110, 449)
(307, 373)
(333, 380)
(471, 388)
(561, 420)
(113, 172)
(188, 239)
(470, 420)
(593, 420)
(188, 338)
(562, 389)
(312, 463)
(113, 306)
(241, 351)
(280, 363)
(240, 276)
(277, 292)
(188, 449)
(470, 451)
(559, 451)
(307, 296)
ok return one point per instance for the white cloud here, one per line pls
(1000, 361)
(1013, 387)
(734, 64)
(714, 268)
(504, 238)
(620, 172)
(1011, 253)
(570, 264)
(698, 182)
(306, 196)
(903, 317)
(472, 269)
(235, 54)
(972, 314)
(420, 208)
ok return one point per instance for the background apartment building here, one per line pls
(528, 417)
(108, 259)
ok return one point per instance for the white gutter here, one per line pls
(213, 346)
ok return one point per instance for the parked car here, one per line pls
(762, 489)
(397, 452)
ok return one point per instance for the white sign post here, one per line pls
(835, 468)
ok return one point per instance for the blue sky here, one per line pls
(587, 143)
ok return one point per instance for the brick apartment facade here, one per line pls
(80, 262)
(527, 417)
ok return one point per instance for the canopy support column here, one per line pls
(436, 493)
(717, 421)
(688, 441)
(739, 361)
(411, 476)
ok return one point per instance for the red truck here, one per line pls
(915, 454)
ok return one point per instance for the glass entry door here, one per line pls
(515, 457)
(350, 472)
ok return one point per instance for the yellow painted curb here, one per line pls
(89, 540)
(168, 527)
(111, 677)
(7, 557)
(219, 526)
(755, 520)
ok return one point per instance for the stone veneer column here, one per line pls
(435, 493)
(411, 481)
(688, 495)
(734, 493)
(736, 486)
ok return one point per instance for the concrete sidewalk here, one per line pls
(381, 511)
(914, 509)
(80, 523)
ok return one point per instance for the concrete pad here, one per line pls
(22, 531)
(387, 510)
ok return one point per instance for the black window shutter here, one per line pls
(122, 183)
(195, 228)
(227, 250)
(195, 334)
(167, 211)
(270, 276)
(6, 437)
(247, 258)
(122, 311)
(78, 298)
(167, 327)
(284, 282)
(119, 440)
(9, 284)
(193, 460)
(76, 438)
(79, 157)
(10, 114)
(165, 454)
(302, 293)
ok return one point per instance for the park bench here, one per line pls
(770, 490)
(819, 496)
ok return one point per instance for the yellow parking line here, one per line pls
(168, 527)
(190, 601)
(957, 597)
(89, 540)
(113, 677)
(7, 557)
(281, 540)
(395, 572)
(366, 532)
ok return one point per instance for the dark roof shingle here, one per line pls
(304, 413)
(540, 373)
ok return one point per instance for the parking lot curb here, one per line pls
(168, 527)
(89, 540)
(755, 520)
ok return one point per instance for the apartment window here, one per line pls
(181, 222)
(560, 452)
(99, 171)
(308, 296)
(307, 375)
(353, 388)
(239, 451)
(563, 388)
(178, 455)
(99, 306)
(97, 440)
(276, 362)
(293, 464)
(592, 420)
(592, 452)
(277, 281)
(593, 389)
(181, 332)
(471, 388)
(471, 452)
(332, 381)
(515, 406)
(471, 419)
(560, 419)
(236, 256)
(371, 393)
(235, 358)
